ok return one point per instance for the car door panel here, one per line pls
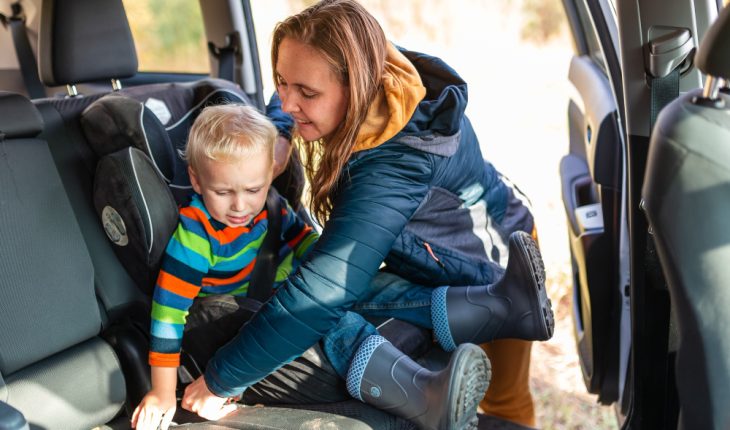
(590, 176)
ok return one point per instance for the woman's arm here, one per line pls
(385, 187)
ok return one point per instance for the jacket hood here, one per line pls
(401, 92)
(442, 109)
(421, 97)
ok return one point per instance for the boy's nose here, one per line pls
(239, 203)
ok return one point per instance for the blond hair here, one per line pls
(229, 132)
(354, 45)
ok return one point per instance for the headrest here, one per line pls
(712, 56)
(116, 122)
(155, 119)
(18, 117)
(83, 41)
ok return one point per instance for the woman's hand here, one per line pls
(155, 410)
(200, 400)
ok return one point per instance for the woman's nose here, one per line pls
(288, 102)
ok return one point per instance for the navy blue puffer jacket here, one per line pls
(425, 189)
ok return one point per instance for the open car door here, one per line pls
(592, 176)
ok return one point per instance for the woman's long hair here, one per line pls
(354, 44)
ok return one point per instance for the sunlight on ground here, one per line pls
(518, 107)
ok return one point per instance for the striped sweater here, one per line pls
(205, 257)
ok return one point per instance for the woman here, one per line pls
(397, 176)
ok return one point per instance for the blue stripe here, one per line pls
(224, 289)
(194, 226)
(222, 274)
(170, 299)
(162, 330)
(187, 256)
(181, 270)
(165, 346)
(240, 242)
(238, 263)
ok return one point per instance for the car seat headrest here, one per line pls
(712, 58)
(115, 122)
(18, 117)
(156, 119)
(83, 41)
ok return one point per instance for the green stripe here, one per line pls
(193, 242)
(306, 243)
(240, 291)
(285, 268)
(256, 244)
(167, 314)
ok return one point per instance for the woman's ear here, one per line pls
(194, 181)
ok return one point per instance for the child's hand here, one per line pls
(155, 410)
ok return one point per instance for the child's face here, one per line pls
(234, 192)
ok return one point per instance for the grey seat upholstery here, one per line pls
(54, 367)
(686, 191)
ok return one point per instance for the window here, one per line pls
(169, 35)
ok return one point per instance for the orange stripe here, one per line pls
(235, 278)
(224, 236)
(292, 243)
(176, 285)
(229, 234)
(160, 359)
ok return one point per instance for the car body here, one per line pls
(625, 310)
(629, 311)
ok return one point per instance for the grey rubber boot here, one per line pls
(384, 377)
(516, 306)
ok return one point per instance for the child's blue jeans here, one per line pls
(391, 296)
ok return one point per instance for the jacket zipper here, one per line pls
(430, 252)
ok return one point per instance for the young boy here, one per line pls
(230, 154)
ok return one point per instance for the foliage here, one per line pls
(543, 20)
(169, 35)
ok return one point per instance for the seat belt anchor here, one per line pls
(668, 48)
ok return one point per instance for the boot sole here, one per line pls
(545, 317)
(470, 376)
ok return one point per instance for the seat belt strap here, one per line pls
(663, 91)
(26, 58)
(226, 56)
(263, 274)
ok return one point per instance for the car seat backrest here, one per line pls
(81, 41)
(686, 189)
(51, 356)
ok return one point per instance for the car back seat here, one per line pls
(54, 366)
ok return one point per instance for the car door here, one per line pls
(632, 58)
(592, 178)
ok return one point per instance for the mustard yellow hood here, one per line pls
(394, 105)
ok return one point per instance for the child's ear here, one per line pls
(194, 181)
